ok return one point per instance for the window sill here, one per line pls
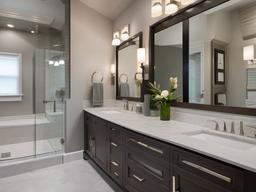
(7, 98)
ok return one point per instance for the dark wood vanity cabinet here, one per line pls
(138, 163)
(97, 139)
(194, 172)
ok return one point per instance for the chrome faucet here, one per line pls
(225, 126)
(126, 105)
(241, 128)
(232, 127)
(217, 127)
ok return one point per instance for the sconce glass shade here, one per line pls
(157, 8)
(113, 69)
(125, 36)
(116, 40)
(170, 7)
(125, 33)
(248, 53)
(141, 55)
(187, 2)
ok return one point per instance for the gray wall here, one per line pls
(168, 63)
(91, 50)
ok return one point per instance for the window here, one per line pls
(10, 77)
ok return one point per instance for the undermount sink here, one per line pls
(223, 139)
(111, 112)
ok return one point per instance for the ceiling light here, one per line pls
(61, 62)
(157, 8)
(10, 26)
(170, 7)
(56, 63)
(51, 62)
(125, 33)
(187, 2)
(32, 32)
(116, 39)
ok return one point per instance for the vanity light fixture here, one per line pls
(187, 2)
(125, 33)
(157, 8)
(32, 32)
(113, 74)
(249, 54)
(116, 39)
(141, 58)
(170, 7)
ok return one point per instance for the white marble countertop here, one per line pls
(174, 132)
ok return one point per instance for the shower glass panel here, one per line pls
(34, 77)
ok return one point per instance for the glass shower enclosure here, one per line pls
(34, 77)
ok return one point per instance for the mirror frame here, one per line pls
(183, 16)
(118, 48)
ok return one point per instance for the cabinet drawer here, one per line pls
(157, 172)
(139, 179)
(147, 146)
(116, 170)
(221, 174)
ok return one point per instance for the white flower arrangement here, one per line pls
(164, 96)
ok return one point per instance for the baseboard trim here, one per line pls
(73, 156)
(115, 186)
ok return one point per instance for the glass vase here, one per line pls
(165, 112)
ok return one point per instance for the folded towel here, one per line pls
(97, 94)
(124, 90)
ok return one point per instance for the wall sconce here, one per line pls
(125, 33)
(171, 7)
(116, 39)
(157, 8)
(113, 74)
(187, 2)
(141, 55)
(249, 54)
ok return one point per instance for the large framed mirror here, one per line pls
(208, 48)
(129, 78)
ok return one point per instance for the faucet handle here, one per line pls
(241, 128)
(232, 127)
(216, 124)
(225, 126)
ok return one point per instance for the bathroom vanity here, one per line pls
(143, 154)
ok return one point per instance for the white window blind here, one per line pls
(10, 74)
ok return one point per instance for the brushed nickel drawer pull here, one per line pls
(174, 184)
(147, 146)
(114, 144)
(116, 174)
(138, 178)
(113, 129)
(114, 163)
(208, 171)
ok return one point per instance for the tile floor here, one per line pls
(77, 176)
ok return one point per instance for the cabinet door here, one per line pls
(100, 131)
(184, 181)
